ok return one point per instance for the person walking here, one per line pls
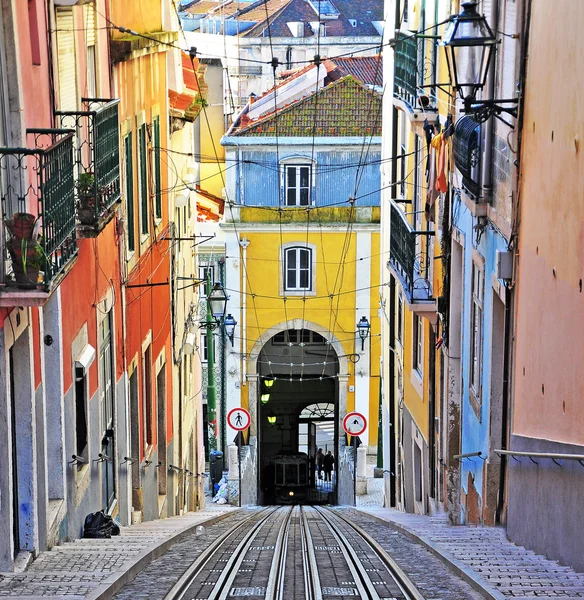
(328, 464)
(319, 463)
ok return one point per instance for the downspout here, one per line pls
(244, 243)
(487, 166)
(509, 320)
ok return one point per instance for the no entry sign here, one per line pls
(354, 423)
(238, 419)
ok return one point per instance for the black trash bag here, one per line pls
(99, 525)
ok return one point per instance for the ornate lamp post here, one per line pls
(216, 306)
(470, 48)
(363, 328)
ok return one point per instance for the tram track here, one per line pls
(304, 553)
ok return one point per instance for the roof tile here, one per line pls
(343, 108)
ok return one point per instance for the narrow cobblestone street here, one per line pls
(445, 562)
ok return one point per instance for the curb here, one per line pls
(116, 581)
(474, 580)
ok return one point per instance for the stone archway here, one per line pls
(253, 380)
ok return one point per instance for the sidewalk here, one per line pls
(97, 569)
(485, 558)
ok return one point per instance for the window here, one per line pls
(204, 272)
(476, 329)
(418, 343)
(204, 353)
(129, 175)
(91, 72)
(81, 418)
(297, 269)
(157, 179)
(297, 178)
(400, 317)
(33, 26)
(147, 396)
(143, 170)
(298, 336)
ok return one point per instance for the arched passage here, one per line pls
(304, 365)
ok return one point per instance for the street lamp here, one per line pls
(272, 419)
(470, 48)
(265, 398)
(229, 324)
(217, 301)
(216, 306)
(363, 328)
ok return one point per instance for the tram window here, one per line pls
(291, 474)
(302, 474)
(279, 474)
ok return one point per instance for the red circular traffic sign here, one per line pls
(238, 419)
(354, 423)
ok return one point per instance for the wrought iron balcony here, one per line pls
(414, 71)
(38, 209)
(97, 160)
(409, 261)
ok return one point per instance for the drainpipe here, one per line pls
(244, 243)
(487, 166)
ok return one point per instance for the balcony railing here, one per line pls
(38, 209)
(414, 70)
(409, 265)
(245, 70)
(97, 160)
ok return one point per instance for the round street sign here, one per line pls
(238, 418)
(354, 423)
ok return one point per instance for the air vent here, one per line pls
(353, 22)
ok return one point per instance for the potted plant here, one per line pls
(28, 259)
(21, 226)
(89, 200)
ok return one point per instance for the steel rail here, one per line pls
(313, 589)
(399, 576)
(308, 587)
(221, 589)
(362, 580)
(181, 586)
(275, 584)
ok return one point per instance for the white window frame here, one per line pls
(297, 163)
(203, 350)
(417, 344)
(203, 277)
(297, 250)
(476, 329)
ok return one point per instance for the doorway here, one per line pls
(107, 398)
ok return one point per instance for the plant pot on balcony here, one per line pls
(21, 226)
(27, 260)
(86, 213)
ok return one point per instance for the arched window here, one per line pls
(297, 269)
(323, 410)
(297, 181)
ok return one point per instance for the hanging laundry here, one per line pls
(432, 192)
(441, 181)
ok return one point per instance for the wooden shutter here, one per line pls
(66, 60)
(89, 24)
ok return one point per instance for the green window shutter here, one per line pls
(157, 176)
(143, 180)
(130, 193)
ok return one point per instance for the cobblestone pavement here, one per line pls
(485, 556)
(84, 569)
